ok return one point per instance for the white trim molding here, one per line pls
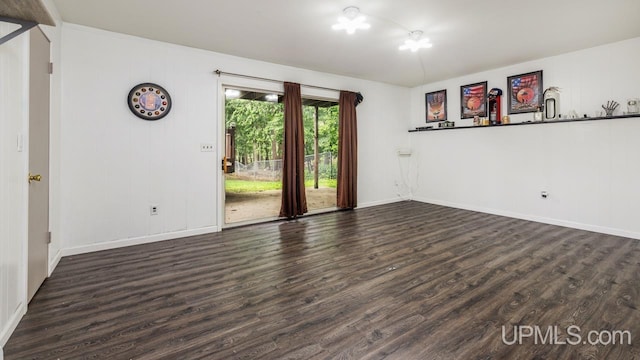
(137, 241)
(54, 262)
(14, 320)
(379, 202)
(540, 219)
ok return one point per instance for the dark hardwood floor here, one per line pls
(400, 281)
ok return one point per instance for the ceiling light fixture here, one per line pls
(272, 97)
(351, 21)
(415, 42)
(231, 93)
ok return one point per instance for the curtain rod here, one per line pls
(218, 72)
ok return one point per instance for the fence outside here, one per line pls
(269, 170)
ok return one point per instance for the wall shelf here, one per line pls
(530, 123)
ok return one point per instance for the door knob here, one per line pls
(37, 177)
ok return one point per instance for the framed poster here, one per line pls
(524, 92)
(436, 104)
(473, 100)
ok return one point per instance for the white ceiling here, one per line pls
(468, 35)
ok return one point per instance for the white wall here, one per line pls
(14, 69)
(114, 165)
(590, 169)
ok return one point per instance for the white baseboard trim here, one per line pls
(11, 325)
(380, 202)
(137, 241)
(54, 263)
(540, 219)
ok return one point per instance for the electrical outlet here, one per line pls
(206, 147)
(544, 194)
(153, 209)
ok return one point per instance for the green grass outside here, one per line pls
(244, 186)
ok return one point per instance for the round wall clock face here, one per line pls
(149, 101)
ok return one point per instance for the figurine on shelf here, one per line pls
(633, 106)
(611, 107)
(493, 103)
(572, 115)
(537, 116)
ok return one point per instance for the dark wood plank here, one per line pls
(400, 281)
(29, 10)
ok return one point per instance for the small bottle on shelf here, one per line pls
(492, 114)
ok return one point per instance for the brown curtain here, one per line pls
(294, 201)
(347, 152)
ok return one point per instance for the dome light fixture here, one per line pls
(351, 21)
(232, 93)
(416, 42)
(272, 97)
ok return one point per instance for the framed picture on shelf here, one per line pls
(524, 92)
(436, 104)
(473, 100)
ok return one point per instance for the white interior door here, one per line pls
(38, 246)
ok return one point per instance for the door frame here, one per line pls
(224, 82)
(250, 84)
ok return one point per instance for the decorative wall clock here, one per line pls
(149, 101)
